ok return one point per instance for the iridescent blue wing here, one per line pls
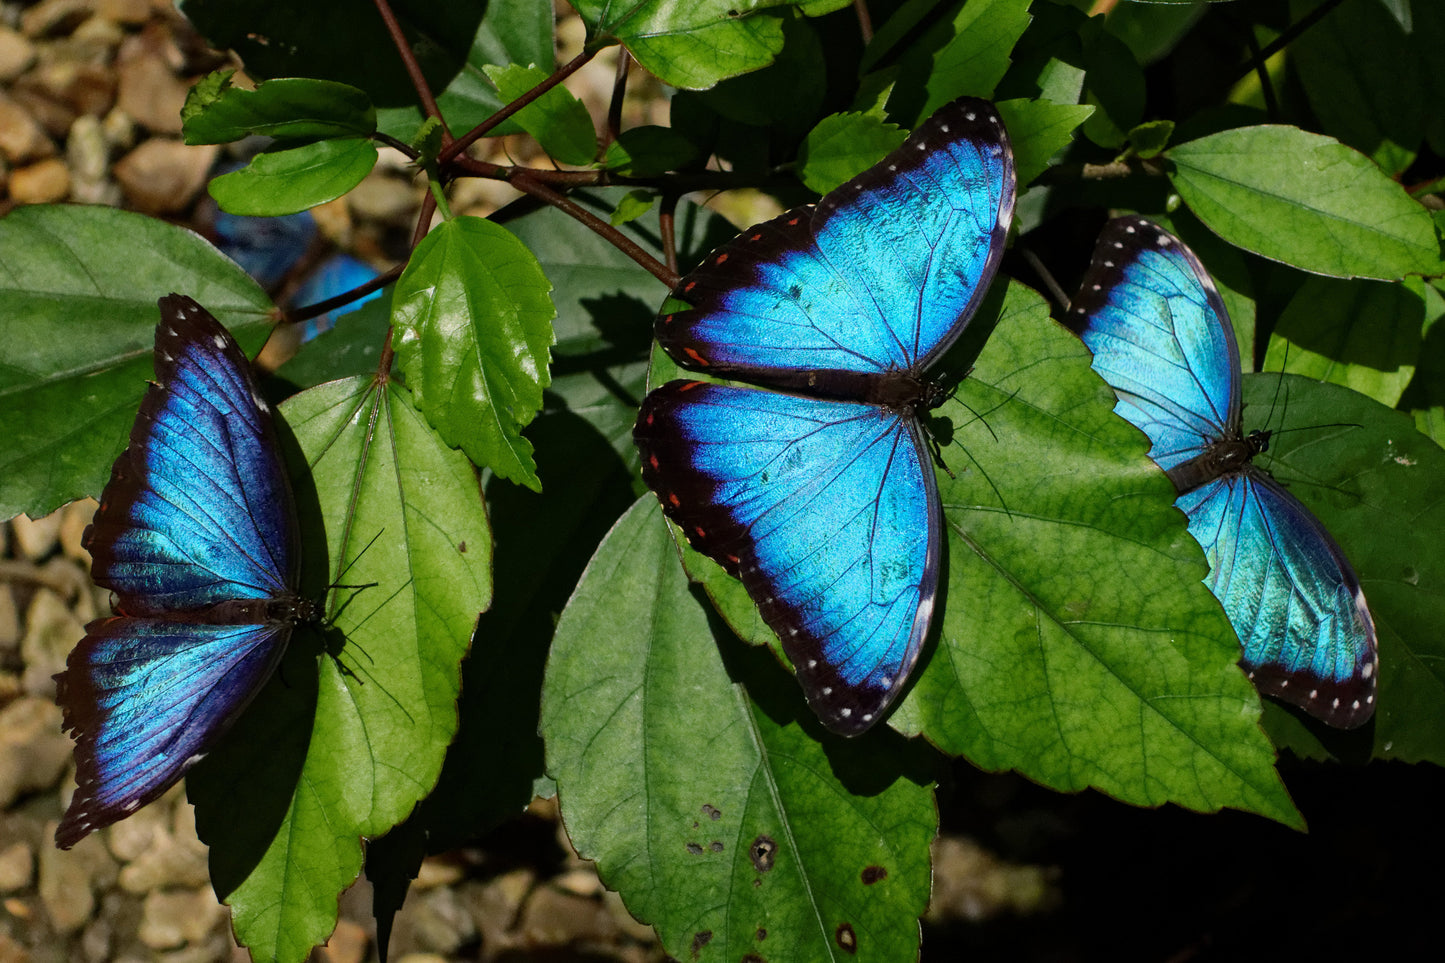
(1161, 337)
(883, 274)
(198, 509)
(1290, 594)
(828, 512)
(196, 534)
(146, 698)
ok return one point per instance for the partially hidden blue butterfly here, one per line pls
(196, 535)
(1162, 338)
(820, 494)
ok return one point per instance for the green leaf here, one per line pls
(842, 145)
(557, 119)
(1425, 396)
(1038, 130)
(473, 324)
(821, 849)
(1123, 677)
(1149, 140)
(352, 347)
(965, 55)
(78, 290)
(344, 40)
(287, 181)
(693, 45)
(1363, 82)
(1305, 200)
(1360, 334)
(510, 31)
(1115, 84)
(632, 206)
(801, 69)
(346, 738)
(1380, 490)
(648, 151)
(287, 109)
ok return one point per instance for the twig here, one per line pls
(450, 152)
(310, 311)
(413, 69)
(525, 182)
(619, 91)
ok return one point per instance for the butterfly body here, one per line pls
(1162, 338)
(196, 536)
(818, 492)
(1220, 457)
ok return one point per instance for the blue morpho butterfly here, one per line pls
(823, 500)
(1162, 338)
(270, 248)
(196, 535)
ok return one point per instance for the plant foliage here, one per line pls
(1076, 643)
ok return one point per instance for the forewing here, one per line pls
(198, 509)
(883, 274)
(827, 511)
(1161, 337)
(145, 699)
(1291, 595)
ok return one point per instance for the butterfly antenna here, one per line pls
(983, 419)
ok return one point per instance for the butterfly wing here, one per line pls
(828, 512)
(146, 698)
(196, 535)
(881, 275)
(198, 509)
(1291, 595)
(1161, 337)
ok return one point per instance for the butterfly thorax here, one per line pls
(284, 609)
(1226, 456)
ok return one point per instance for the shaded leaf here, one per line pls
(510, 32)
(649, 150)
(1363, 335)
(730, 829)
(290, 108)
(557, 119)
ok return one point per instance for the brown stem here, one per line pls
(341, 300)
(619, 90)
(526, 182)
(413, 69)
(680, 183)
(865, 22)
(667, 224)
(450, 152)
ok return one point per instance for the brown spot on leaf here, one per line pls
(847, 939)
(872, 874)
(762, 852)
